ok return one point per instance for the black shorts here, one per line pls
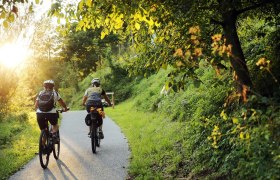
(43, 118)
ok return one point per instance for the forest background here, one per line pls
(200, 78)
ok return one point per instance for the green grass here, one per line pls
(19, 137)
(153, 140)
(18, 142)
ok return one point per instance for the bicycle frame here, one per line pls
(95, 140)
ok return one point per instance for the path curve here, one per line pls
(76, 160)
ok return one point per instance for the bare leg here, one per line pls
(55, 128)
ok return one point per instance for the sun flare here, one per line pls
(13, 55)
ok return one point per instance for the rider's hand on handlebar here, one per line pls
(65, 109)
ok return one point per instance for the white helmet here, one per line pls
(95, 81)
(49, 83)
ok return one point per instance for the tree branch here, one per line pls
(216, 22)
(254, 6)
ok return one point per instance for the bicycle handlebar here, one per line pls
(63, 110)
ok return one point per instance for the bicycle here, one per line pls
(95, 118)
(48, 144)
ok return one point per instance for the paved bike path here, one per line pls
(76, 160)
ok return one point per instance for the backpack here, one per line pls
(46, 101)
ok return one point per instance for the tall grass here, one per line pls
(166, 133)
(18, 141)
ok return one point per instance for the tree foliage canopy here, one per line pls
(85, 50)
(178, 34)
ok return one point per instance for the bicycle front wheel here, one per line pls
(56, 147)
(93, 137)
(43, 152)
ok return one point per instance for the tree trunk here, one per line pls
(237, 59)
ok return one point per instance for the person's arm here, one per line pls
(84, 100)
(62, 103)
(36, 104)
(107, 99)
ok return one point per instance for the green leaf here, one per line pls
(196, 83)
(37, 1)
(164, 66)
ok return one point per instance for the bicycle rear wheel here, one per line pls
(97, 139)
(56, 147)
(43, 152)
(93, 137)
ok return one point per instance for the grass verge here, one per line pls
(153, 140)
(18, 141)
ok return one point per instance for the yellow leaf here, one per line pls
(235, 120)
(97, 21)
(137, 26)
(37, 1)
(157, 24)
(178, 52)
(247, 135)
(119, 23)
(151, 22)
(81, 5)
(179, 63)
(151, 31)
(193, 37)
(223, 115)
(137, 16)
(5, 24)
(11, 18)
(107, 20)
(2, 15)
(103, 34)
(89, 3)
(198, 51)
(241, 135)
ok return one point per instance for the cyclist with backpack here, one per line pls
(92, 97)
(45, 106)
